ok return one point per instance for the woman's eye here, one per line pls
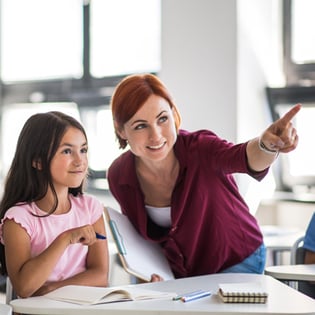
(84, 150)
(141, 126)
(163, 119)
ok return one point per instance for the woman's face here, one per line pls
(151, 132)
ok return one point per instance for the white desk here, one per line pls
(282, 300)
(5, 309)
(279, 240)
(292, 272)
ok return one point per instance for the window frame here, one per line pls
(296, 74)
(85, 91)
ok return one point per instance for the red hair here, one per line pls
(130, 95)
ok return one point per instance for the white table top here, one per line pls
(282, 300)
(292, 272)
(280, 238)
(5, 309)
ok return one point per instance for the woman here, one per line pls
(177, 187)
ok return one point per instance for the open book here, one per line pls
(138, 256)
(242, 292)
(86, 295)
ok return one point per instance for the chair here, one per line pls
(297, 257)
(297, 252)
(10, 294)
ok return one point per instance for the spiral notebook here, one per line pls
(242, 292)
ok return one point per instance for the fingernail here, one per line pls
(280, 143)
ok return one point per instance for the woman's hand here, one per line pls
(156, 278)
(281, 136)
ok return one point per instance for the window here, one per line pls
(35, 41)
(61, 52)
(296, 170)
(299, 43)
(19, 113)
(129, 48)
(103, 146)
(44, 39)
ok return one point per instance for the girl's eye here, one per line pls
(67, 151)
(84, 150)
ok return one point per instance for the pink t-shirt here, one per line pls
(43, 230)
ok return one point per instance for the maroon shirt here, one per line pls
(212, 228)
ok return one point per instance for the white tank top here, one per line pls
(160, 216)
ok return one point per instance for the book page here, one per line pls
(139, 256)
(98, 295)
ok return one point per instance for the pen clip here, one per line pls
(118, 238)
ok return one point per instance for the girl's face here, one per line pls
(69, 165)
(151, 132)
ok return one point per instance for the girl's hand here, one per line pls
(84, 235)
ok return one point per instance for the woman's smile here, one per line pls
(156, 147)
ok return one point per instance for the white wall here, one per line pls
(217, 58)
(199, 62)
(259, 62)
(259, 65)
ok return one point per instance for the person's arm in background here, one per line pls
(279, 137)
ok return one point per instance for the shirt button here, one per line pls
(174, 228)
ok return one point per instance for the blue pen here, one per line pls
(196, 296)
(100, 236)
(180, 296)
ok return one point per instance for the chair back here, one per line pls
(297, 252)
(10, 294)
(297, 257)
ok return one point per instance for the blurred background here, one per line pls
(232, 66)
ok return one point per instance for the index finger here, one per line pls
(287, 117)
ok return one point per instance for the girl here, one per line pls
(48, 227)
